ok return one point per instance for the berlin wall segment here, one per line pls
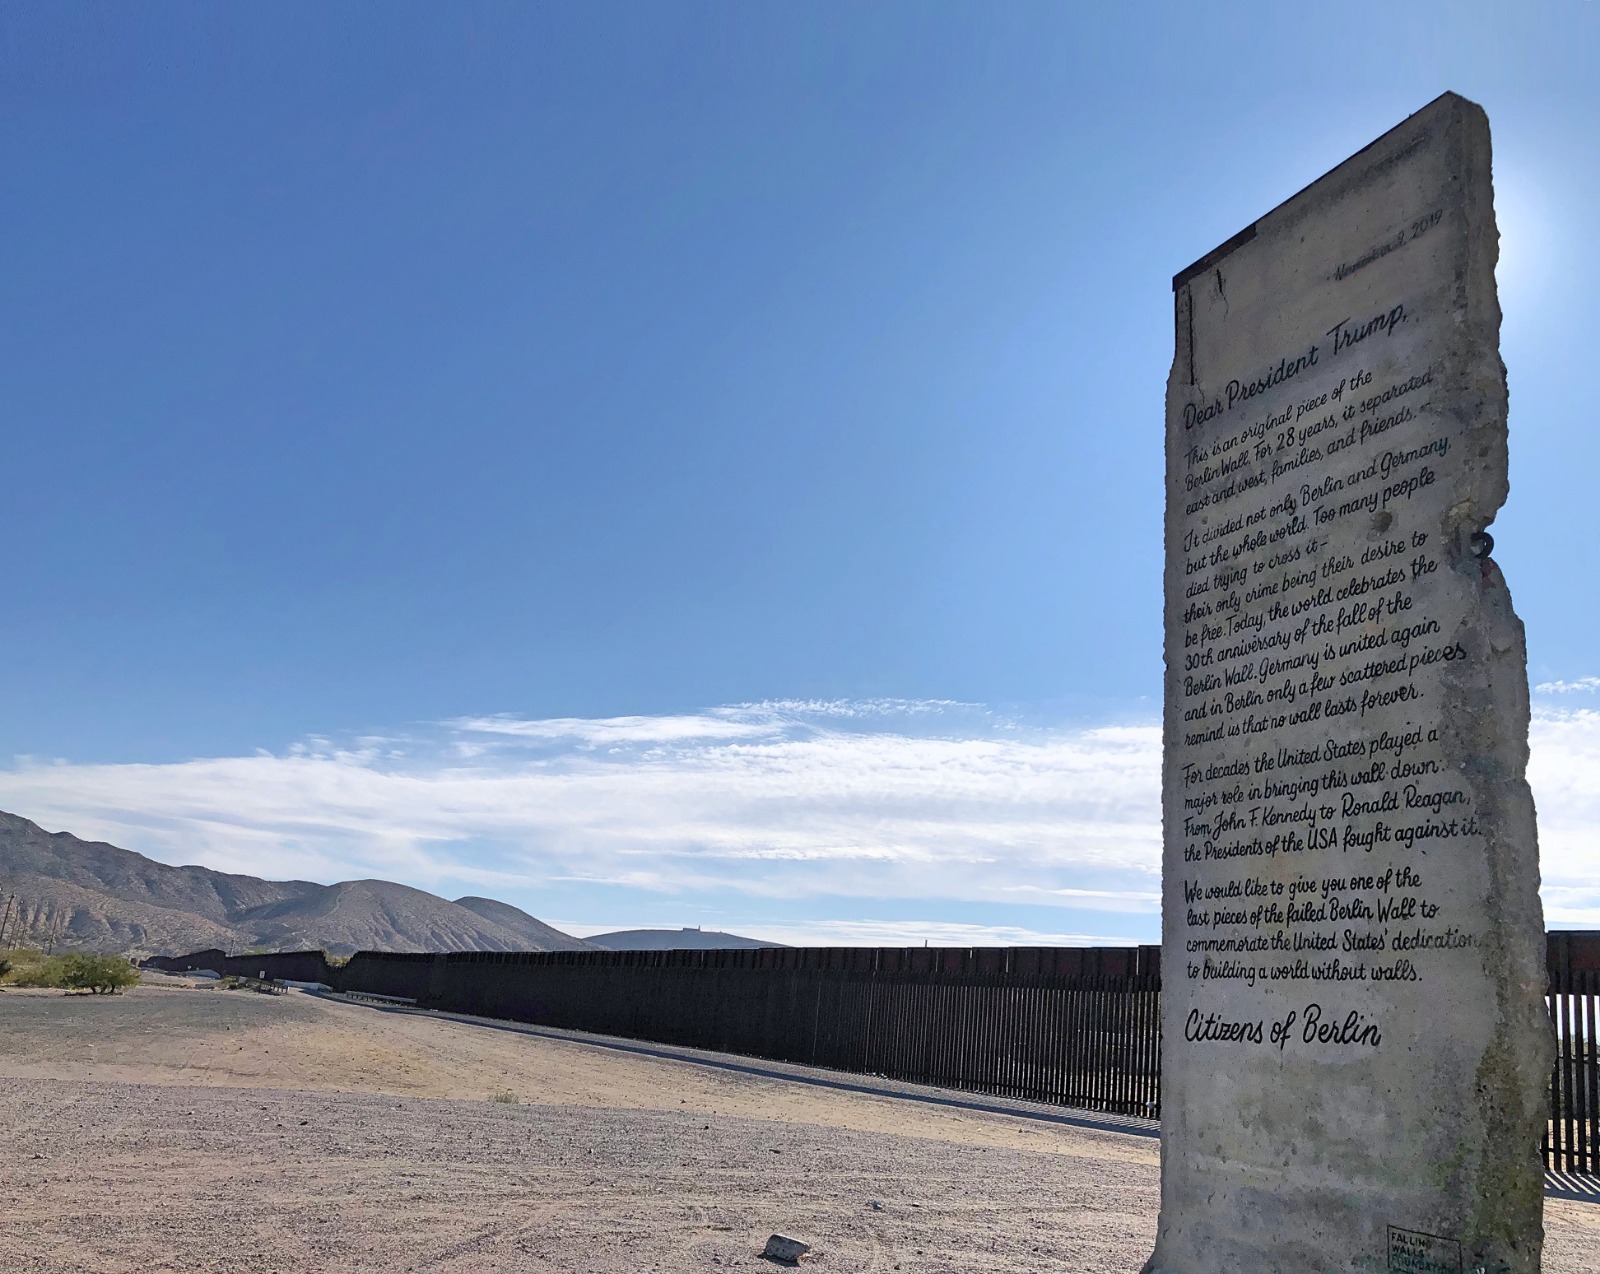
(1356, 1049)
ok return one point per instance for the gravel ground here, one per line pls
(181, 1130)
(166, 1178)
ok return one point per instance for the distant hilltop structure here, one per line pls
(688, 938)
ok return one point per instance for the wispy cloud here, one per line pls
(610, 731)
(885, 933)
(774, 802)
(1583, 685)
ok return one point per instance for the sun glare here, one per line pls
(1524, 214)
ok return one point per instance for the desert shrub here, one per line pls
(34, 968)
(98, 974)
(505, 1097)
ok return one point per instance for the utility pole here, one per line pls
(5, 921)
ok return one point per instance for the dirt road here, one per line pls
(182, 1130)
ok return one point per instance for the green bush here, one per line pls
(77, 971)
(98, 974)
(34, 968)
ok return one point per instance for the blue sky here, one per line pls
(689, 464)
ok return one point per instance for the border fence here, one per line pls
(1067, 1026)
(1070, 1026)
(1572, 1143)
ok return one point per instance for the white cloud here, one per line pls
(1564, 771)
(883, 933)
(1583, 685)
(854, 709)
(908, 933)
(775, 801)
(611, 731)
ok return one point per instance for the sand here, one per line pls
(194, 1129)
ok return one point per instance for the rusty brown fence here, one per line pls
(1071, 1026)
(1572, 1143)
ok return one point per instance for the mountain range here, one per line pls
(675, 940)
(88, 895)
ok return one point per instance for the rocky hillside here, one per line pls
(97, 897)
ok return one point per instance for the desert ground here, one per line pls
(184, 1129)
